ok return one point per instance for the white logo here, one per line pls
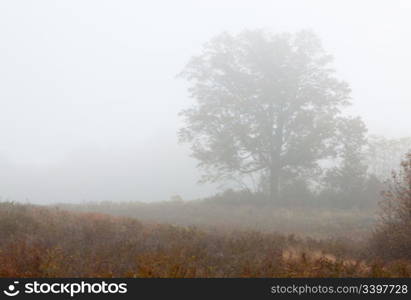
(12, 290)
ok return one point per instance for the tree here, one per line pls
(347, 180)
(385, 155)
(266, 104)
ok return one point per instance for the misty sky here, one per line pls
(89, 96)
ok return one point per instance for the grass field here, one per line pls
(314, 222)
(38, 241)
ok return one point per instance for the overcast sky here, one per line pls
(89, 98)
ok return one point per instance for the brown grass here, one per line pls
(43, 242)
(315, 222)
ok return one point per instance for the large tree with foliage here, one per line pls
(266, 104)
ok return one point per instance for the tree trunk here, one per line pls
(276, 164)
(274, 184)
(277, 141)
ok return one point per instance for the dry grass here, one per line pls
(50, 242)
(315, 222)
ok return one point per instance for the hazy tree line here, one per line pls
(269, 115)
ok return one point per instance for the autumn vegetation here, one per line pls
(57, 241)
(269, 121)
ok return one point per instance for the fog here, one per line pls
(89, 98)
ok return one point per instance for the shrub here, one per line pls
(392, 237)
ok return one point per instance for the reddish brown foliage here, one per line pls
(43, 242)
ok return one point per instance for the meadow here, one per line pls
(57, 241)
(315, 222)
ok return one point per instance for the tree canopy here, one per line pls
(266, 105)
